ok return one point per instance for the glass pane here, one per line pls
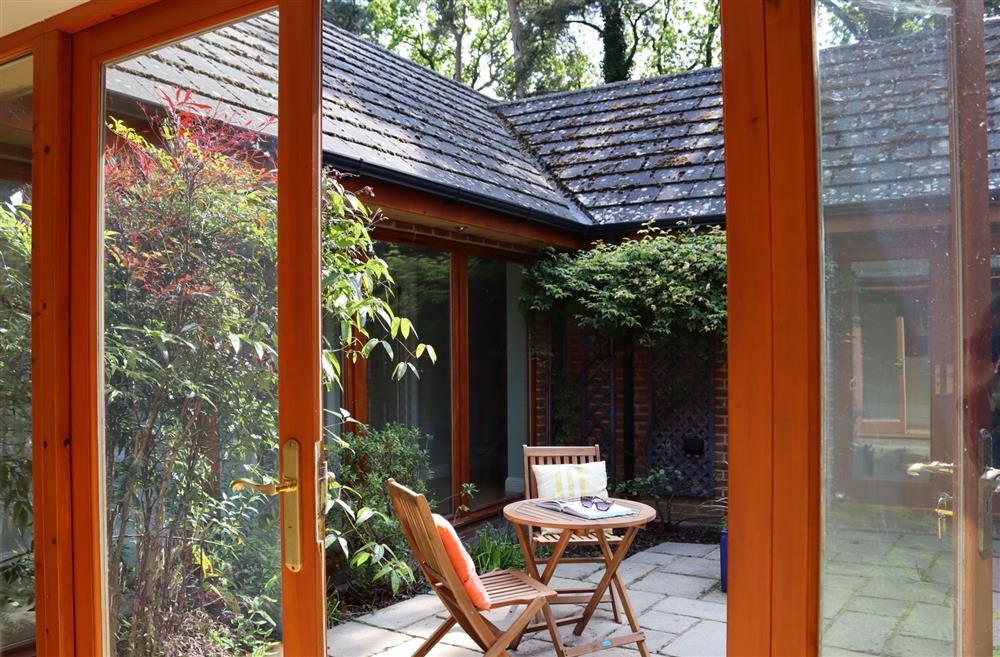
(190, 338)
(892, 552)
(421, 293)
(498, 422)
(17, 568)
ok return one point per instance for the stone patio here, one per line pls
(674, 588)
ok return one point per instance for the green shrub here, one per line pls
(364, 535)
(496, 548)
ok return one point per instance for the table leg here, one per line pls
(529, 554)
(623, 597)
(611, 570)
(557, 552)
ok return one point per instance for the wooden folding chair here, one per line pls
(505, 587)
(554, 456)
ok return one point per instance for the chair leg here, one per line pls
(503, 641)
(434, 638)
(553, 630)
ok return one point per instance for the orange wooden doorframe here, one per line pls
(774, 339)
(298, 272)
(50, 346)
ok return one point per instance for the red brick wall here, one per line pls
(543, 377)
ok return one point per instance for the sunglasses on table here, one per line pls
(599, 503)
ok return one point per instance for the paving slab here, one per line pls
(666, 622)
(359, 640)
(403, 613)
(684, 549)
(856, 631)
(440, 650)
(706, 639)
(628, 572)
(656, 641)
(694, 608)
(929, 622)
(655, 558)
(577, 570)
(908, 646)
(880, 606)
(698, 566)
(716, 595)
(685, 586)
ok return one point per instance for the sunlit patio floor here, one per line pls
(674, 588)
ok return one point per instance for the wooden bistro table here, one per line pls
(526, 514)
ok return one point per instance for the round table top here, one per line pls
(527, 512)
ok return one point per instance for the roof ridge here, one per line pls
(543, 168)
(608, 85)
(408, 63)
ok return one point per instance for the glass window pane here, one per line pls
(498, 421)
(17, 568)
(421, 293)
(892, 339)
(190, 337)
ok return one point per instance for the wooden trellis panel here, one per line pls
(681, 432)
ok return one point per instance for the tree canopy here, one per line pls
(516, 48)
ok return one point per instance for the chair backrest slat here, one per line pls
(554, 456)
(418, 524)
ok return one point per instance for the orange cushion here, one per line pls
(463, 563)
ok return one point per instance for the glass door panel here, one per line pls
(190, 319)
(421, 292)
(906, 136)
(498, 423)
(17, 564)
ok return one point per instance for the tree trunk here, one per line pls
(459, 33)
(616, 64)
(517, 45)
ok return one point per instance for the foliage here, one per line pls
(518, 48)
(662, 486)
(16, 568)
(660, 283)
(369, 539)
(850, 21)
(496, 548)
(190, 362)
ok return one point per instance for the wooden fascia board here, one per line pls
(418, 207)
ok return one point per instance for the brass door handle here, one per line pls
(917, 469)
(290, 508)
(286, 486)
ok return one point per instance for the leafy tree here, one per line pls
(190, 368)
(850, 21)
(351, 15)
(682, 35)
(17, 565)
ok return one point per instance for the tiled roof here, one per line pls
(633, 151)
(628, 152)
(380, 113)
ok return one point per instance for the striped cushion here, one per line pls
(568, 480)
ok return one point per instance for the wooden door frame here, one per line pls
(70, 568)
(772, 222)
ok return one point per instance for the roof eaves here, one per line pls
(455, 194)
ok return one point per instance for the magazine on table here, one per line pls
(575, 507)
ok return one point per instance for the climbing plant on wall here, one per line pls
(658, 283)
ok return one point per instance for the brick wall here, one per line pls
(571, 351)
